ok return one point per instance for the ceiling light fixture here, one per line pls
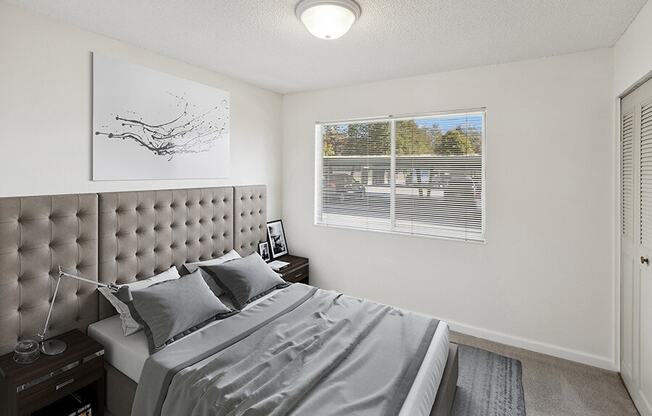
(328, 19)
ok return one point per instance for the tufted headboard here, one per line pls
(146, 232)
(37, 234)
(121, 237)
(250, 224)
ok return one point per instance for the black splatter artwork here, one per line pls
(187, 133)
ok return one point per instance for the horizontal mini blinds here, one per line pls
(412, 175)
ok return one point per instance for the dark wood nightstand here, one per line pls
(298, 271)
(26, 388)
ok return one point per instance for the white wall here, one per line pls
(46, 114)
(632, 65)
(544, 279)
(633, 51)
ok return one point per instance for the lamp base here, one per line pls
(53, 347)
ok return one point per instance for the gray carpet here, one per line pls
(488, 385)
(556, 387)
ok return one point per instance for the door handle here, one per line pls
(645, 260)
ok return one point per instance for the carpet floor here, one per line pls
(556, 387)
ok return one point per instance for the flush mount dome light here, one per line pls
(328, 19)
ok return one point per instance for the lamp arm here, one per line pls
(64, 274)
(111, 286)
(54, 297)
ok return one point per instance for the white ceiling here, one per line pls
(263, 43)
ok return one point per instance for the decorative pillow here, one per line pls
(192, 267)
(129, 325)
(245, 279)
(173, 309)
(231, 255)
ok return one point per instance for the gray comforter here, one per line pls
(304, 351)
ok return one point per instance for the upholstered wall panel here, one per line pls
(250, 210)
(144, 233)
(38, 234)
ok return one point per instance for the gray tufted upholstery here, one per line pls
(37, 234)
(145, 233)
(140, 234)
(250, 223)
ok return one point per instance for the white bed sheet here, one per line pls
(129, 353)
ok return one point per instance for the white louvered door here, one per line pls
(629, 248)
(636, 245)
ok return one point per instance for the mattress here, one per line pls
(423, 392)
(128, 355)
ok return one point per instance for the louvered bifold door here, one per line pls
(643, 288)
(646, 176)
(636, 246)
(629, 239)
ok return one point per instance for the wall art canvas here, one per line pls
(152, 125)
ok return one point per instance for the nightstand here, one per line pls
(26, 388)
(297, 271)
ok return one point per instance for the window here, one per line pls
(410, 175)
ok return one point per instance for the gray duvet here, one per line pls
(304, 351)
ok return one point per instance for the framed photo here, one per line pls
(278, 243)
(263, 250)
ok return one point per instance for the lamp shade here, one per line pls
(328, 19)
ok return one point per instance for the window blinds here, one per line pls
(411, 175)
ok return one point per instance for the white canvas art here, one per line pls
(151, 125)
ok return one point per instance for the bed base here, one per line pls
(448, 385)
(121, 390)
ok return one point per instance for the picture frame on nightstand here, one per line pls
(277, 243)
(263, 250)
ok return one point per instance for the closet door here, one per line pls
(629, 249)
(636, 246)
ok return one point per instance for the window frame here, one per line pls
(392, 119)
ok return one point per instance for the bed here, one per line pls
(139, 234)
(128, 355)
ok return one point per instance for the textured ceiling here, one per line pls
(262, 42)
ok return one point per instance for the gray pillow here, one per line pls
(210, 281)
(245, 279)
(173, 309)
(191, 267)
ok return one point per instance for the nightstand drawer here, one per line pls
(60, 385)
(28, 388)
(298, 275)
(297, 270)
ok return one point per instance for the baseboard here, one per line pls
(536, 346)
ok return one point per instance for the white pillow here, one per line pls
(231, 255)
(129, 325)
